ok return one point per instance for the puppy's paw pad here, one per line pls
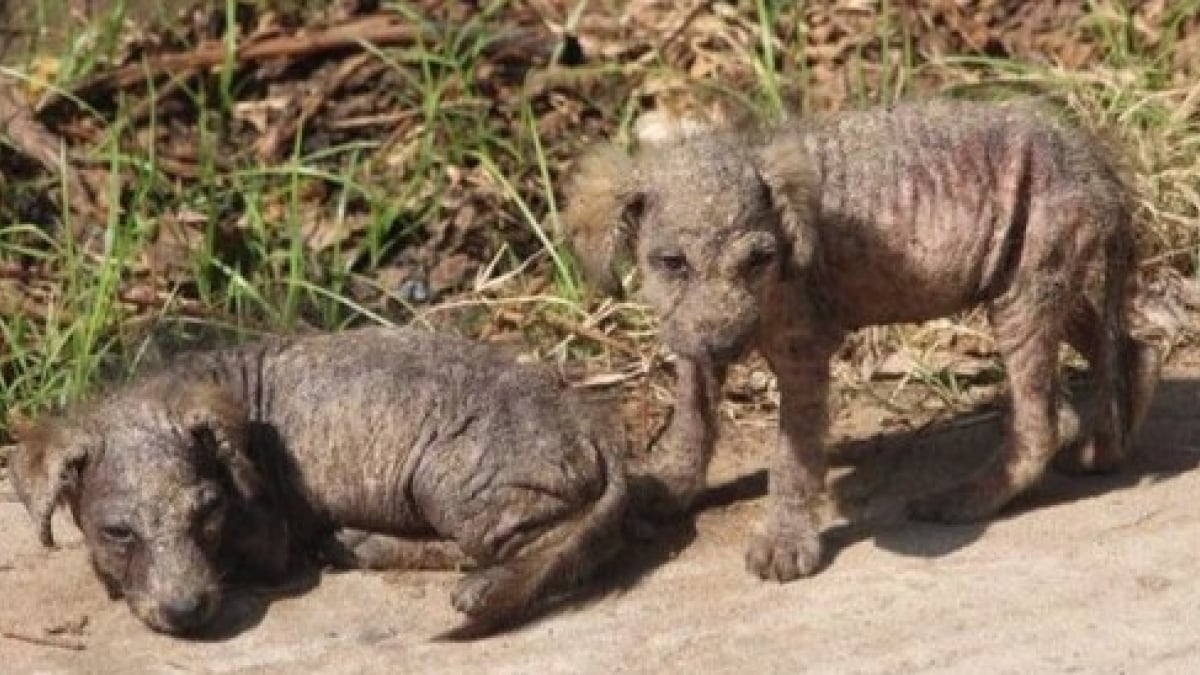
(777, 558)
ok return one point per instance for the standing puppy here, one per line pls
(234, 461)
(785, 240)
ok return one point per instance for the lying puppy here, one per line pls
(238, 460)
(785, 239)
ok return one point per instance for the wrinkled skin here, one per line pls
(783, 240)
(145, 549)
(378, 447)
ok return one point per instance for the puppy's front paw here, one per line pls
(781, 558)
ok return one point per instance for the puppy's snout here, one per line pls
(187, 612)
(725, 352)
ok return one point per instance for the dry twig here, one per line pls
(29, 137)
(267, 147)
(56, 641)
(382, 29)
(566, 325)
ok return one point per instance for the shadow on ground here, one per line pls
(874, 478)
(645, 552)
(245, 606)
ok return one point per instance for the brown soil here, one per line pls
(1090, 574)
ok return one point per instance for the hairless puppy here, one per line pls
(379, 447)
(783, 239)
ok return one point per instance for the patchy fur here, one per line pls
(784, 239)
(363, 444)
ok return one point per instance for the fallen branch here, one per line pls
(30, 138)
(382, 30)
(267, 147)
(56, 641)
(24, 299)
(25, 133)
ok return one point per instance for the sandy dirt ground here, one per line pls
(1091, 575)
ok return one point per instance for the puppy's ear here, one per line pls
(786, 170)
(603, 214)
(45, 468)
(258, 536)
(214, 416)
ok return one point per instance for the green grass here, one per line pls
(254, 268)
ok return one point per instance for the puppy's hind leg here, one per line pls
(1028, 325)
(556, 558)
(1099, 449)
(1125, 369)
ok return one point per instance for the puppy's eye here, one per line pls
(210, 502)
(117, 534)
(760, 257)
(672, 263)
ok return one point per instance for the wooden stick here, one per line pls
(267, 147)
(38, 143)
(383, 29)
(378, 29)
(56, 641)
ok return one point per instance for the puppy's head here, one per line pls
(151, 476)
(714, 219)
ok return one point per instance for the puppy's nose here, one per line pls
(185, 612)
(724, 353)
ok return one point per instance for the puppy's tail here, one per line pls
(560, 558)
(1133, 364)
